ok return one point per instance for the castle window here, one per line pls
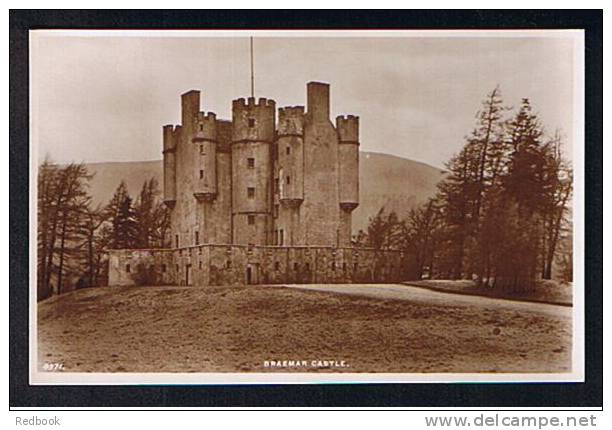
(276, 266)
(228, 264)
(201, 127)
(307, 267)
(288, 150)
(250, 163)
(176, 240)
(275, 237)
(276, 185)
(296, 266)
(251, 122)
(251, 192)
(163, 267)
(281, 238)
(176, 267)
(200, 264)
(251, 219)
(288, 180)
(355, 267)
(344, 267)
(128, 269)
(333, 265)
(201, 149)
(201, 174)
(197, 237)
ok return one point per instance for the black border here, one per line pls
(515, 395)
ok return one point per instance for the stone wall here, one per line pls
(238, 265)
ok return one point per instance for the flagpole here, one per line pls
(252, 71)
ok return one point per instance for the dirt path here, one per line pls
(424, 295)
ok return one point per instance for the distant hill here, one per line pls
(397, 183)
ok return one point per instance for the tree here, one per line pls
(152, 217)
(62, 203)
(559, 180)
(123, 231)
(422, 230)
(385, 231)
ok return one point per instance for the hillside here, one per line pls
(385, 180)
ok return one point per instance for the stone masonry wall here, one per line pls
(240, 264)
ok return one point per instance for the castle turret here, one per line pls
(253, 129)
(348, 149)
(348, 174)
(205, 145)
(290, 147)
(169, 153)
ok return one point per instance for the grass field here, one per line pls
(230, 329)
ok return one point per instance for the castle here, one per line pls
(251, 181)
(278, 193)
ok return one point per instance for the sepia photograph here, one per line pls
(306, 206)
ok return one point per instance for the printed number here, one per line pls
(53, 367)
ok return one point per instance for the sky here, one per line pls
(100, 98)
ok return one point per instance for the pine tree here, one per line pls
(152, 217)
(123, 231)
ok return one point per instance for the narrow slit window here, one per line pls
(197, 238)
(251, 192)
(288, 150)
(201, 174)
(288, 180)
(128, 269)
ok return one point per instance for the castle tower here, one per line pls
(205, 143)
(169, 151)
(319, 214)
(348, 179)
(253, 129)
(289, 176)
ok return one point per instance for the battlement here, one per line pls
(169, 137)
(250, 103)
(348, 128)
(207, 116)
(290, 111)
(291, 120)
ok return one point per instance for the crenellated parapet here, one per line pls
(253, 121)
(348, 129)
(206, 127)
(291, 121)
